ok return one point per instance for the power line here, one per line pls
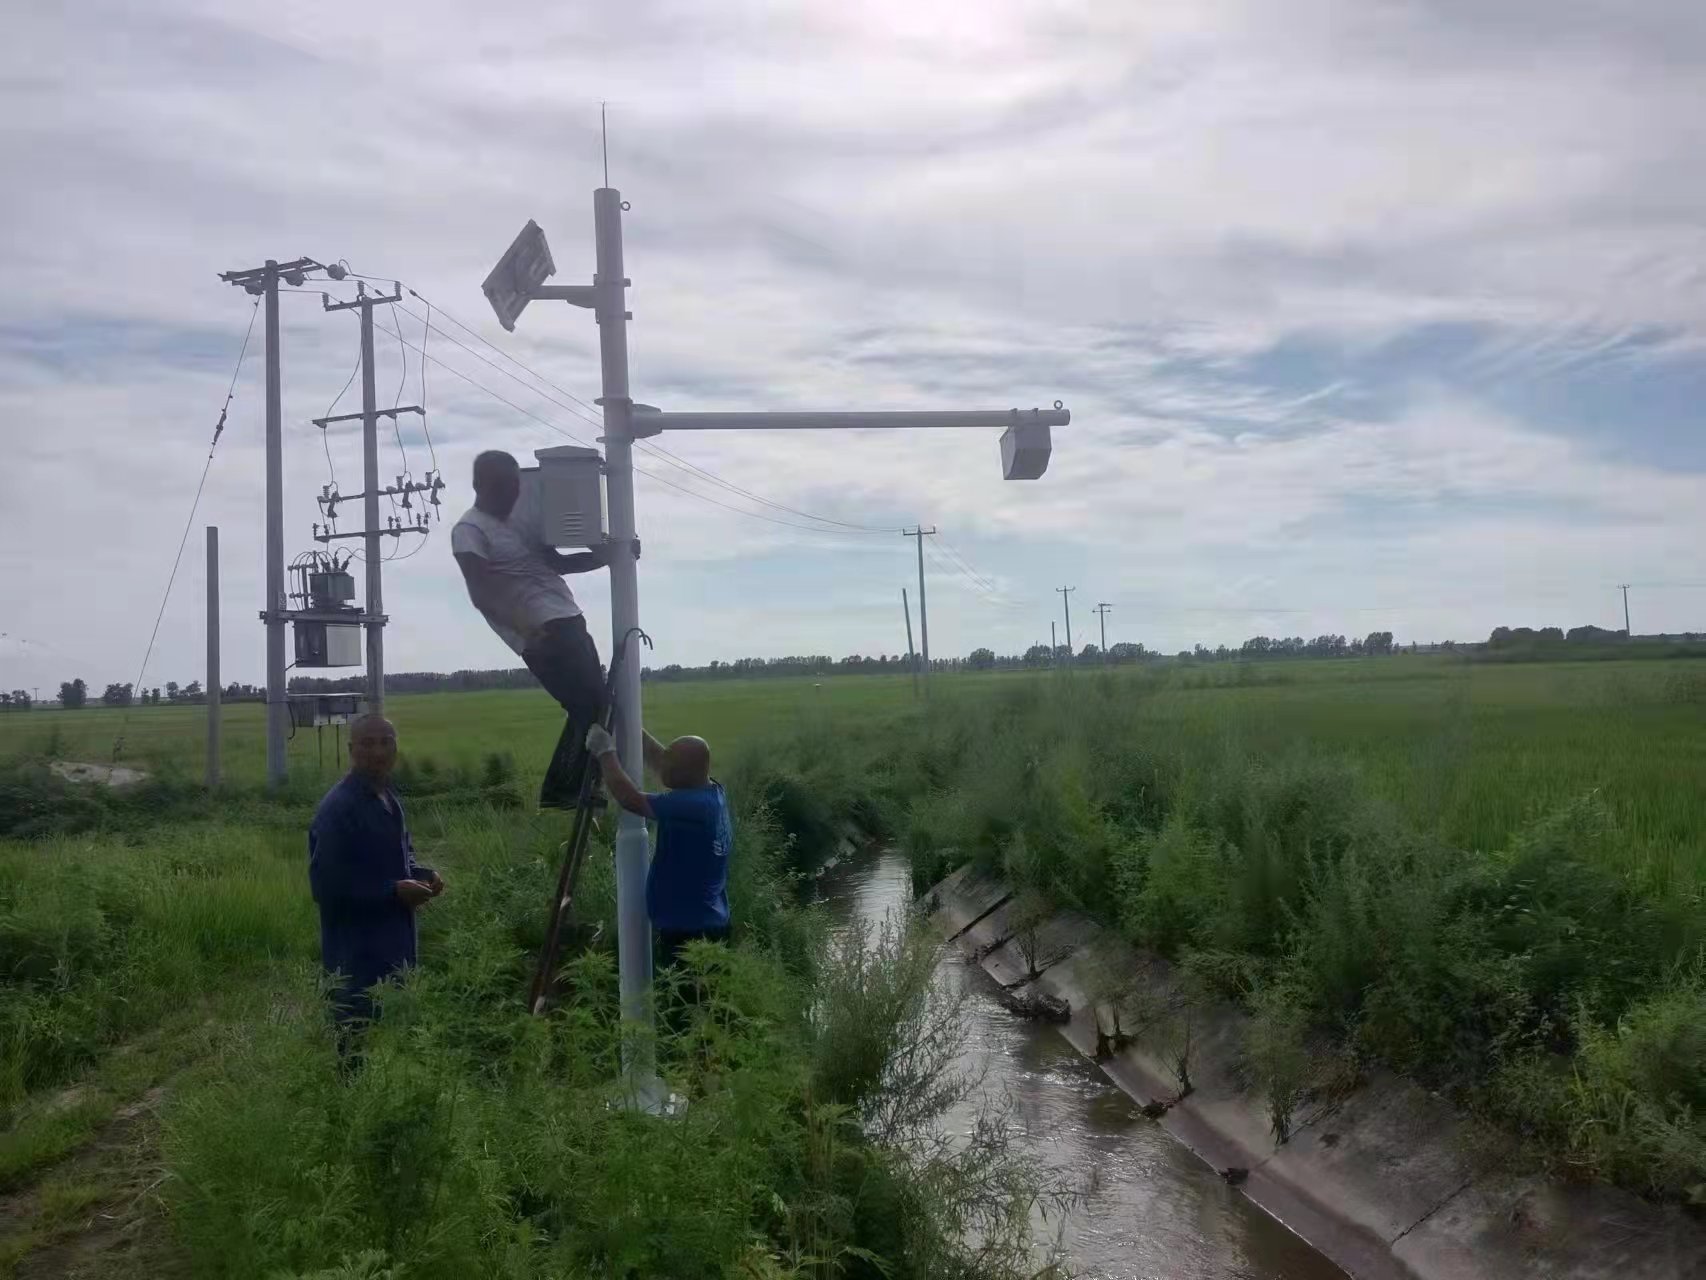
(655, 450)
(195, 503)
(651, 475)
(592, 416)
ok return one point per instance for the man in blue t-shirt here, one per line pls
(687, 889)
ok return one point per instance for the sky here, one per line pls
(1370, 314)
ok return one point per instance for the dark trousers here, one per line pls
(565, 660)
(684, 994)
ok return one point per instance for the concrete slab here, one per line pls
(1386, 1156)
(1531, 1229)
(965, 896)
(1377, 1181)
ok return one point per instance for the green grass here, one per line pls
(1492, 877)
(454, 729)
(169, 938)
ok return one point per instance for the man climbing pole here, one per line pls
(516, 583)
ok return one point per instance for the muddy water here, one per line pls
(1149, 1209)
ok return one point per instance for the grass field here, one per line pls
(1490, 876)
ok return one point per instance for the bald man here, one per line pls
(517, 585)
(363, 873)
(687, 888)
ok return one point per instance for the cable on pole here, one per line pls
(183, 539)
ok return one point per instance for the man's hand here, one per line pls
(413, 893)
(599, 742)
(435, 882)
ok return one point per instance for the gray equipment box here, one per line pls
(562, 499)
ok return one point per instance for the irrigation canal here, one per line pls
(1149, 1209)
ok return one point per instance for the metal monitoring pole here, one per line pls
(518, 279)
(923, 605)
(1066, 600)
(1102, 609)
(374, 575)
(213, 687)
(264, 281)
(911, 657)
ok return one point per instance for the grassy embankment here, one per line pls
(1488, 877)
(162, 937)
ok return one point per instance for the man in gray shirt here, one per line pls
(517, 584)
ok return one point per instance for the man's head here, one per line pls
(372, 747)
(686, 763)
(497, 483)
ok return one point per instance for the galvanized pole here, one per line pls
(370, 509)
(1053, 646)
(1066, 600)
(920, 534)
(277, 707)
(911, 656)
(213, 685)
(633, 850)
(1102, 611)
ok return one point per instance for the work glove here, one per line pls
(599, 742)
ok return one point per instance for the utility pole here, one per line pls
(213, 686)
(264, 281)
(1102, 608)
(1053, 647)
(911, 657)
(519, 278)
(375, 621)
(1627, 633)
(1066, 600)
(920, 533)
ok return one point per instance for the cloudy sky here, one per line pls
(1370, 313)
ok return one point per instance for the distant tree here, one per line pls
(154, 694)
(1378, 642)
(1126, 651)
(1550, 635)
(117, 695)
(171, 691)
(1036, 656)
(192, 691)
(1089, 653)
(980, 659)
(73, 694)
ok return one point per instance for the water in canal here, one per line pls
(1150, 1210)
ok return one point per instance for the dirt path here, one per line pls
(95, 1214)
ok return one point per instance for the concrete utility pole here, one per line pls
(1066, 601)
(1102, 608)
(518, 279)
(1627, 633)
(375, 620)
(264, 281)
(920, 534)
(911, 657)
(213, 686)
(1053, 646)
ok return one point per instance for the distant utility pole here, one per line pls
(920, 534)
(1053, 647)
(213, 687)
(375, 613)
(1102, 608)
(1066, 601)
(911, 656)
(1627, 633)
(264, 281)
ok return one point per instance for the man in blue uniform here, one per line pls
(687, 889)
(362, 870)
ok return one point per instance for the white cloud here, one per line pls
(886, 205)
